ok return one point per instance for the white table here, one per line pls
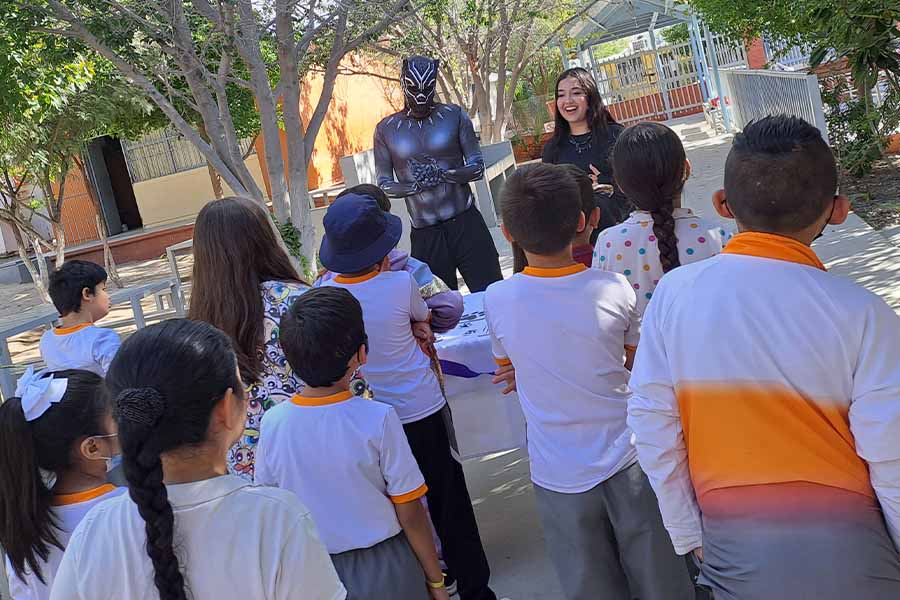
(486, 421)
(45, 314)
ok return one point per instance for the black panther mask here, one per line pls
(419, 80)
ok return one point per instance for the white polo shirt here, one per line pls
(232, 540)
(565, 331)
(68, 510)
(86, 347)
(347, 459)
(397, 370)
(756, 370)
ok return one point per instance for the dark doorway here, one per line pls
(120, 181)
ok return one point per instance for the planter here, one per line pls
(529, 148)
(893, 145)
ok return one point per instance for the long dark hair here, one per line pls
(648, 163)
(166, 379)
(598, 116)
(27, 526)
(235, 251)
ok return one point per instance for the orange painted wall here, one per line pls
(359, 102)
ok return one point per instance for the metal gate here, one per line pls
(662, 84)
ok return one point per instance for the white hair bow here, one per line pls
(38, 392)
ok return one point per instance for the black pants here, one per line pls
(463, 243)
(450, 507)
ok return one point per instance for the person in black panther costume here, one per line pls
(433, 150)
(428, 153)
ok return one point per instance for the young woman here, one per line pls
(57, 442)
(584, 134)
(187, 528)
(243, 283)
(651, 167)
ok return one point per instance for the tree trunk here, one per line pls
(60, 234)
(22, 247)
(216, 182)
(108, 259)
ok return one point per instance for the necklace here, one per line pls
(583, 143)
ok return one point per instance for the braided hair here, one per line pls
(649, 165)
(166, 378)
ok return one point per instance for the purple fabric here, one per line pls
(456, 369)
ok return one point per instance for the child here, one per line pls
(364, 498)
(78, 290)
(765, 392)
(57, 442)
(446, 305)
(358, 239)
(650, 166)
(187, 528)
(582, 248)
(564, 336)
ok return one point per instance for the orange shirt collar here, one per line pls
(79, 497)
(301, 400)
(72, 329)
(554, 272)
(360, 279)
(770, 245)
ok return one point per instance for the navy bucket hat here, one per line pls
(358, 234)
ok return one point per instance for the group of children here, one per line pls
(694, 400)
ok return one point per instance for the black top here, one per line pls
(586, 150)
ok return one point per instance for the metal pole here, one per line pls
(592, 65)
(714, 60)
(660, 83)
(563, 54)
(697, 51)
(701, 54)
(815, 98)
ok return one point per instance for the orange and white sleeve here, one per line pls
(401, 473)
(875, 408)
(654, 418)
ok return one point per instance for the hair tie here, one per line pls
(37, 392)
(144, 406)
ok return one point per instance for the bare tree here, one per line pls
(184, 55)
(494, 41)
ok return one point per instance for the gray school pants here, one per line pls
(386, 571)
(610, 543)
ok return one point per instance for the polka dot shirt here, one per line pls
(630, 249)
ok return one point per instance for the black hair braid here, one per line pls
(140, 411)
(666, 240)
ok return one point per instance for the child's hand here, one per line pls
(439, 594)
(422, 332)
(506, 374)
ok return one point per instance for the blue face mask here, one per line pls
(113, 463)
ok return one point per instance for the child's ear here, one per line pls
(90, 449)
(362, 355)
(687, 169)
(841, 210)
(594, 219)
(87, 293)
(506, 234)
(720, 203)
(582, 222)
